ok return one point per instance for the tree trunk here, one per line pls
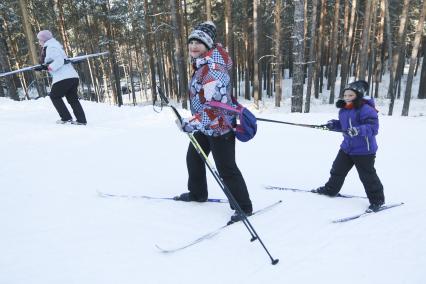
(372, 48)
(305, 36)
(278, 56)
(363, 55)
(116, 88)
(184, 35)
(229, 27)
(256, 87)
(156, 44)
(312, 59)
(160, 52)
(347, 39)
(334, 48)
(169, 67)
(268, 79)
(397, 54)
(132, 83)
(150, 52)
(5, 67)
(58, 7)
(29, 37)
(318, 72)
(422, 87)
(180, 60)
(413, 60)
(380, 49)
(208, 10)
(246, 37)
(298, 62)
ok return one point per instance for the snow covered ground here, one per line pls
(56, 229)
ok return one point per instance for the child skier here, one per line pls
(359, 123)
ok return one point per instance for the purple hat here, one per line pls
(44, 35)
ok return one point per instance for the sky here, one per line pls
(55, 228)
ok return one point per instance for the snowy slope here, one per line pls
(56, 229)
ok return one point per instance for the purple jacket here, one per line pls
(365, 119)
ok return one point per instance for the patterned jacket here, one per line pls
(211, 82)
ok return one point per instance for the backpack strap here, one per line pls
(223, 106)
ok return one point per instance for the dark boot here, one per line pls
(374, 207)
(78, 123)
(324, 191)
(188, 196)
(236, 217)
(60, 121)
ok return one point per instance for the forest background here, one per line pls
(319, 44)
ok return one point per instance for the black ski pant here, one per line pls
(366, 171)
(67, 88)
(223, 150)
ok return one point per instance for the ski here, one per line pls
(270, 187)
(215, 232)
(80, 58)
(366, 213)
(129, 196)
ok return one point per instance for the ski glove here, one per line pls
(41, 67)
(184, 125)
(353, 131)
(330, 125)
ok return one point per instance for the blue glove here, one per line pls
(184, 125)
(330, 124)
(353, 131)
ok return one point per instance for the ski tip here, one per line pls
(161, 249)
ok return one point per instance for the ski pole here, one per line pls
(219, 180)
(321, 127)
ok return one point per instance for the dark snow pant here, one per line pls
(366, 171)
(223, 150)
(67, 88)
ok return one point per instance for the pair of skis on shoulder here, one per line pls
(346, 219)
(72, 60)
